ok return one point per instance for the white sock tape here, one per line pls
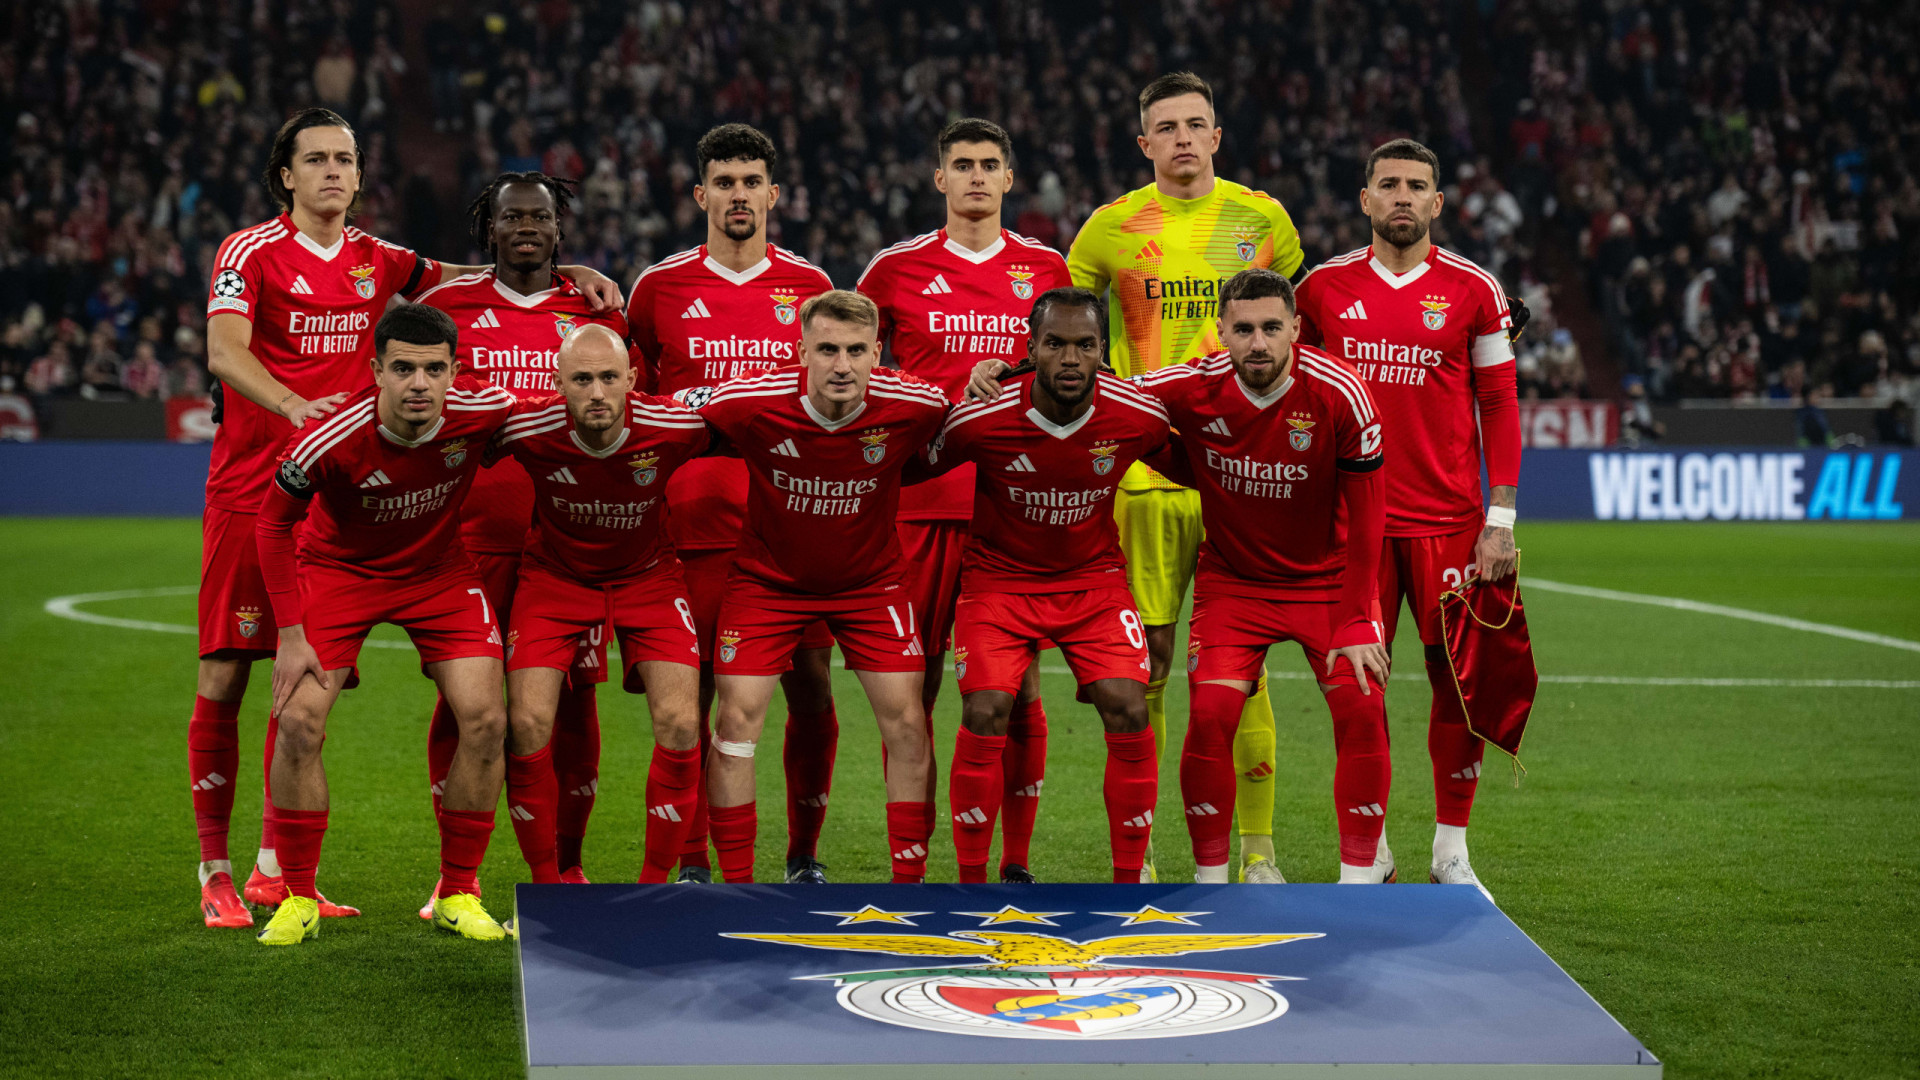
(734, 749)
(1501, 517)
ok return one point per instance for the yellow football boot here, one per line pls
(294, 921)
(462, 914)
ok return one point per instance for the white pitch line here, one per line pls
(1629, 680)
(68, 607)
(1678, 604)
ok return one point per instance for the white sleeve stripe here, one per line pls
(531, 419)
(668, 263)
(463, 279)
(907, 393)
(1123, 391)
(1492, 350)
(244, 252)
(1154, 410)
(738, 393)
(973, 412)
(665, 425)
(311, 450)
(1335, 373)
(322, 431)
(1339, 260)
(1362, 409)
(905, 245)
(507, 436)
(1458, 263)
(244, 237)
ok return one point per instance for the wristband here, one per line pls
(1500, 517)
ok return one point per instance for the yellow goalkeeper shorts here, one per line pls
(1160, 533)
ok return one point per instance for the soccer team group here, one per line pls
(517, 464)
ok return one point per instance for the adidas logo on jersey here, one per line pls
(377, 479)
(563, 476)
(1021, 464)
(1369, 810)
(696, 310)
(1218, 427)
(664, 813)
(300, 286)
(1357, 311)
(487, 321)
(785, 449)
(937, 287)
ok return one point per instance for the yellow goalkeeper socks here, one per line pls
(1253, 752)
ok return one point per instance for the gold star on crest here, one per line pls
(1011, 914)
(1151, 914)
(873, 914)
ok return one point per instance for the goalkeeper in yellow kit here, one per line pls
(1162, 252)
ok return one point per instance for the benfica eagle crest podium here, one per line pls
(1049, 981)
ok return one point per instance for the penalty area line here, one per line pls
(1678, 604)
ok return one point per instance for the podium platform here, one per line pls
(943, 982)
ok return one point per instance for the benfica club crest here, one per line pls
(876, 447)
(783, 307)
(1103, 458)
(1043, 986)
(455, 451)
(1246, 244)
(1022, 283)
(644, 472)
(1301, 436)
(513, 639)
(1435, 316)
(563, 325)
(362, 281)
(249, 620)
(729, 647)
(959, 661)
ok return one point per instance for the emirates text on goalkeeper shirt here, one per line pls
(1043, 512)
(696, 323)
(1431, 344)
(943, 309)
(511, 341)
(1266, 468)
(312, 310)
(822, 494)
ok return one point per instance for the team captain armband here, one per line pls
(1370, 453)
(293, 480)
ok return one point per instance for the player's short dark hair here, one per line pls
(1068, 296)
(1172, 85)
(480, 211)
(735, 142)
(415, 324)
(841, 305)
(1256, 283)
(281, 156)
(1403, 150)
(974, 129)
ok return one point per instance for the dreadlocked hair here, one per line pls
(480, 212)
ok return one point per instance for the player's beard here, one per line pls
(1274, 371)
(1062, 398)
(1401, 234)
(740, 232)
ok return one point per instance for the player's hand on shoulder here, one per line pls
(984, 383)
(601, 291)
(299, 410)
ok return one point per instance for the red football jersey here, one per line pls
(312, 310)
(598, 513)
(1264, 467)
(944, 309)
(697, 323)
(822, 496)
(1043, 503)
(513, 342)
(1422, 340)
(374, 505)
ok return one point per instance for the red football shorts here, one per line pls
(1232, 631)
(444, 611)
(235, 615)
(650, 614)
(996, 635)
(706, 576)
(500, 575)
(1420, 568)
(756, 640)
(931, 550)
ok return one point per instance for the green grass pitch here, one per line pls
(1731, 870)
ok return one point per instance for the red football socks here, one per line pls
(907, 836)
(1206, 770)
(1023, 764)
(693, 850)
(443, 741)
(576, 765)
(463, 845)
(299, 833)
(1455, 751)
(673, 787)
(733, 835)
(812, 740)
(1131, 788)
(267, 841)
(974, 792)
(213, 757)
(532, 794)
(1362, 770)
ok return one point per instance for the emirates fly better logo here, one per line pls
(1024, 985)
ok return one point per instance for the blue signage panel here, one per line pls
(1719, 484)
(161, 479)
(1045, 980)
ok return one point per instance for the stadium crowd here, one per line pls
(1740, 181)
(135, 131)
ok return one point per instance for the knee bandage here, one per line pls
(734, 749)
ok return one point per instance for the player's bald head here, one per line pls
(592, 343)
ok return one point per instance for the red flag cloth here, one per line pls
(1491, 658)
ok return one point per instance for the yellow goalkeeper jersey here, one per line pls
(1161, 261)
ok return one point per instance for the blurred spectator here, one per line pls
(1636, 414)
(52, 373)
(1893, 425)
(1810, 427)
(143, 376)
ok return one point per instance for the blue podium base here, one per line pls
(944, 982)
